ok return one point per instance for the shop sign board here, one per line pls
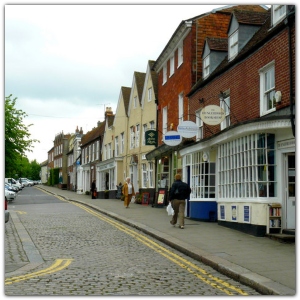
(212, 114)
(172, 138)
(151, 137)
(187, 129)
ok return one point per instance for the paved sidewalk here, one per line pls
(259, 262)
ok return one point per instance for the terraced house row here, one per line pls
(217, 106)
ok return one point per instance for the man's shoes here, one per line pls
(181, 227)
(171, 222)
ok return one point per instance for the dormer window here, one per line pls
(278, 13)
(233, 45)
(206, 64)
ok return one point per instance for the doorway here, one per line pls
(290, 190)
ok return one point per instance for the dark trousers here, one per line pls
(179, 208)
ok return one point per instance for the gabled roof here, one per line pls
(154, 76)
(217, 44)
(249, 17)
(139, 81)
(93, 135)
(126, 97)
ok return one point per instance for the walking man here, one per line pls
(177, 195)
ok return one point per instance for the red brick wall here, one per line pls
(186, 75)
(244, 83)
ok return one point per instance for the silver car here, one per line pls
(10, 195)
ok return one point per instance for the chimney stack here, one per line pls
(108, 112)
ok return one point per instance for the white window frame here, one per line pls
(278, 13)
(164, 74)
(116, 146)
(180, 108)
(93, 152)
(122, 143)
(267, 89)
(145, 128)
(165, 120)
(90, 153)
(172, 65)
(225, 104)
(105, 152)
(144, 175)
(109, 151)
(97, 150)
(199, 123)
(233, 45)
(151, 172)
(132, 137)
(203, 176)
(206, 66)
(247, 167)
(150, 94)
(180, 55)
(137, 135)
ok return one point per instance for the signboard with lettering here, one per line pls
(160, 197)
(222, 212)
(212, 114)
(172, 138)
(246, 213)
(233, 213)
(187, 129)
(151, 137)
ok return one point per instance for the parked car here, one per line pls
(11, 188)
(14, 183)
(10, 195)
(27, 182)
(6, 211)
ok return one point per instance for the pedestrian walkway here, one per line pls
(267, 265)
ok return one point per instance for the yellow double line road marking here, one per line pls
(183, 263)
(57, 266)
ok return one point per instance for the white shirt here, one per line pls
(129, 188)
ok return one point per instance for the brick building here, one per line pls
(243, 165)
(179, 67)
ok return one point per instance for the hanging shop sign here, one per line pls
(187, 129)
(151, 137)
(212, 114)
(172, 138)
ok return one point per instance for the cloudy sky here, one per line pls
(66, 63)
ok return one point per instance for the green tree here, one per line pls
(17, 136)
(35, 170)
